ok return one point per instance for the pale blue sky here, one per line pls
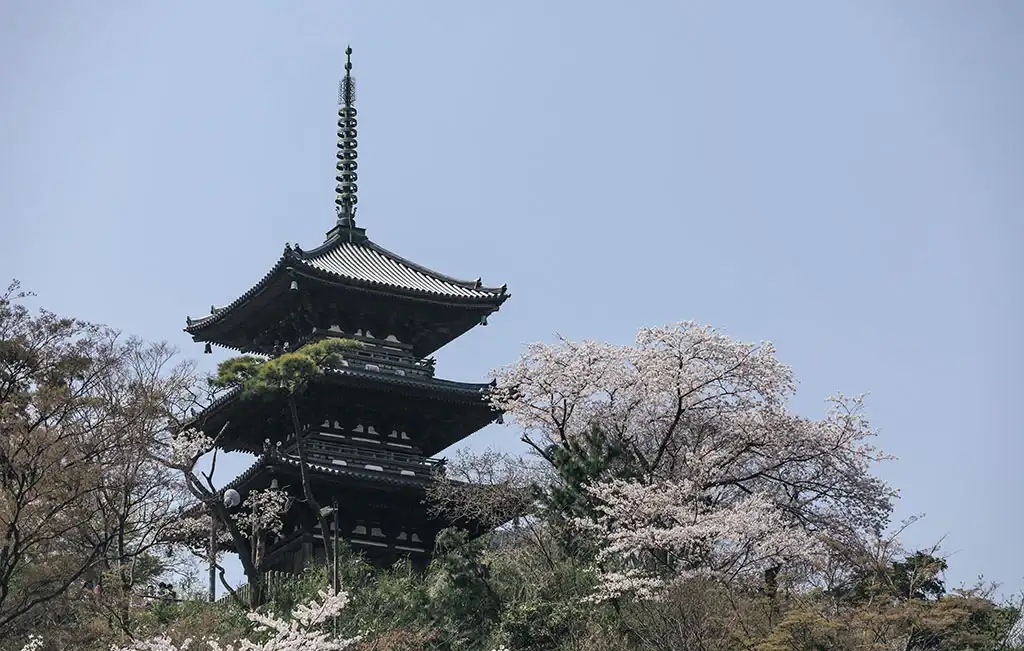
(842, 178)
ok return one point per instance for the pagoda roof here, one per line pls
(272, 463)
(274, 460)
(351, 259)
(470, 390)
(258, 411)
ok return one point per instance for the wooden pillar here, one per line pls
(213, 559)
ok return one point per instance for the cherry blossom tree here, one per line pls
(254, 529)
(715, 475)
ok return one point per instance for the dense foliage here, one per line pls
(487, 594)
(85, 509)
(673, 502)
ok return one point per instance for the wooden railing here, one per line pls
(274, 582)
(342, 451)
(381, 359)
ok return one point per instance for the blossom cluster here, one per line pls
(35, 643)
(722, 477)
(301, 631)
(263, 511)
(187, 446)
(189, 528)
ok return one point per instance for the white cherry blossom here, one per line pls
(187, 446)
(35, 643)
(724, 479)
(263, 511)
(302, 631)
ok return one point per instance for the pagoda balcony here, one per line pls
(325, 452)
(382, 360)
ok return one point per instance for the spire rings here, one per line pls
(346, 166)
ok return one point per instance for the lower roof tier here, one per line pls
(360, 493)
(418, 414)
(328, 477)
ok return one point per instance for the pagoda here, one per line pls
(372, 428)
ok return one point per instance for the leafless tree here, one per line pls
(490, 488)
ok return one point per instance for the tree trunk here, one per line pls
(124, 575)
(307, 488)
(213, 559)
(771, 590)
(256, 592)
(253, 573)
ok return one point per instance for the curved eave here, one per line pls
(360, 474)
(258, 466)
(468, 390)
(194, 326)
(211, 409)
(273, 461)
(267, 460)
(304, 264)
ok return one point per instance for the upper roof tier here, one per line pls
(351, 283)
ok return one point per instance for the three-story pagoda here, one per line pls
(372, 427)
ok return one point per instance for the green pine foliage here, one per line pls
(287, 373)
(596, 456)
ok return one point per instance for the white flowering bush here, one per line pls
(263, 511)
(262, 514)
(303, 630)
(723, 480)
(35, 643)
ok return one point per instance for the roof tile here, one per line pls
(371, 264)
(362, 262)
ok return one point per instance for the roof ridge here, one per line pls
(338, 247)
(366, 242)
(336, 260)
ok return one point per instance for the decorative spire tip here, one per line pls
(346, 167)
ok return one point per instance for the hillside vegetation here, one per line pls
(671, 500)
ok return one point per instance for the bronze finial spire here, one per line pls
(346, 168)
